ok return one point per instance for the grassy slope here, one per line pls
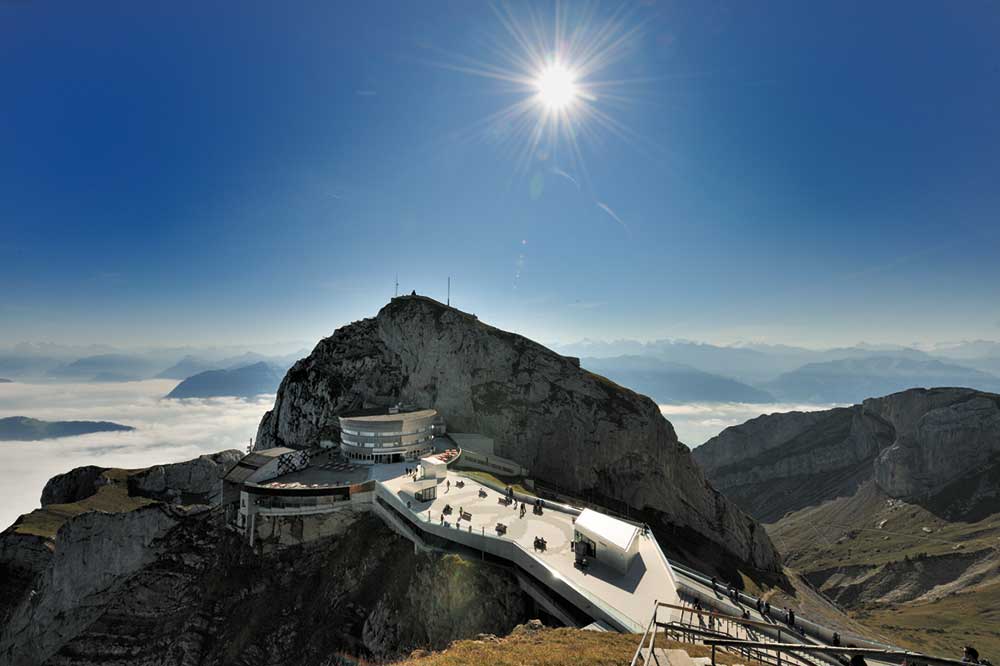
(552, 647)
(112, 498)
(946, 625)
(844, 532)
(516, 482)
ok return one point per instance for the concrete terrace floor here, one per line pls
(649, 579)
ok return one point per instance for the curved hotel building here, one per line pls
(388, 438)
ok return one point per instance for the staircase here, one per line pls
(686, 624)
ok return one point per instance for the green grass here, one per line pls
(110, 498)
(845, 532)
(516, 481)
(945, 626)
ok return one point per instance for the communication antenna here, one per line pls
(449, 291)
(397, 286)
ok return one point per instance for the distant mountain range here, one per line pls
(46, 362)
(27, 429)
(186, 367)
(670, 371)
(667, 370)
(854, 379)
(667, 382)
(6, 381)
(242, 382)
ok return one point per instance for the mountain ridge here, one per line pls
(572, 428)
(23, 428)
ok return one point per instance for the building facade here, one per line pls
(389, 438)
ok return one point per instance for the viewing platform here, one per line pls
(603, 569)
(622, 600)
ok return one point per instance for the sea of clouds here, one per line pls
(166, 431)
(696, 423)
(175, 430)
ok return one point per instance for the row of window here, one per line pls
(409, 455)
(384, 444)
(384, 433)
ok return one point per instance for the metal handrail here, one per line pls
(747, 648)
(652, 621)
(835, 650)
(816, 630)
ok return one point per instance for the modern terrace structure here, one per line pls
(438, 508)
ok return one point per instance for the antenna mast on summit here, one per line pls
(396, 293)
(449, 291)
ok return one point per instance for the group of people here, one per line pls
(763, 607)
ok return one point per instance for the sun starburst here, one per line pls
(553, 66)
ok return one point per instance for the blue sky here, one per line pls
(222, 172)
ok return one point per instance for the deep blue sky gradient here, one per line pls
(224, 172)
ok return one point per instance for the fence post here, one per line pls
(713, 654)
(779, 651)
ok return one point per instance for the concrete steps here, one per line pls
(675, 657)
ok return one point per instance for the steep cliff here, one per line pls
(890, 507)
(571, 428)
(914, 445)
(166, 583)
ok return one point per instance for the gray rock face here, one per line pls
(73, 486)
(165, 586)
(195, 481)
(913, 443)
(93, 554)
(940, 437)
(570, 427)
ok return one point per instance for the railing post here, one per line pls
(713, 654)
(779, 651)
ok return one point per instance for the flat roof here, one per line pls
(253, 461)
(399, 416)
(617, 532)
(420, 484)
(432, 460)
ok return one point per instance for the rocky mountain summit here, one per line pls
(914, 444)
(571, 428)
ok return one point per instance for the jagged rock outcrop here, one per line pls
(72, 486)
(941, 435)
(191, 482)
(914, 444)
(571, 428)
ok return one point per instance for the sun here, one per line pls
(556, 86)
